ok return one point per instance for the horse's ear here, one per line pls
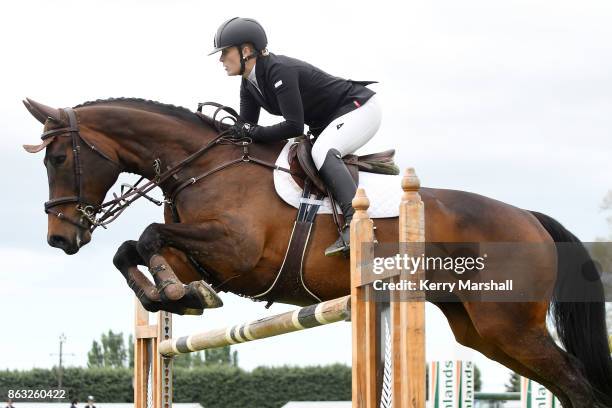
(37, 148)
(42, 112)
(34, 112)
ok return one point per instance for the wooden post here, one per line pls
(411, 308)
(372, 387)
(152, 372)
(363, 313)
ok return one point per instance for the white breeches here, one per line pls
(348, 132)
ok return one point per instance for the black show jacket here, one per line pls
(301, 93)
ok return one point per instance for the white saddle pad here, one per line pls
(383, 191)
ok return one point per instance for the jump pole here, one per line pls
(307, 317)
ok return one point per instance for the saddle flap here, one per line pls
(304, 156)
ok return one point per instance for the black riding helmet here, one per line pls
(237, 31)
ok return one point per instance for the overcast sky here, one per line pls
(507, 99)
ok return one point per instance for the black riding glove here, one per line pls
(243, 129)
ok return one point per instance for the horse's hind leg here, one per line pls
(519, 330)
(466, 334)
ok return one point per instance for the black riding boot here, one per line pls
(341, 185)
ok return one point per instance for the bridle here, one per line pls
(111, 209)
(83, 206)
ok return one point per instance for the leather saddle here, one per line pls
(303, 167)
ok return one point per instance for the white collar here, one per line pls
(252, 78)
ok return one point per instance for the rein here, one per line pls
(110, 210)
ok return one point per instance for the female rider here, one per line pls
(342, 114)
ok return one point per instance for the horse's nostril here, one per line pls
(58, 241)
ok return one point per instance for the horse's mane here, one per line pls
(158, 107)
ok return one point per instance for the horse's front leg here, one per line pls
(127, 259)
(192, 239)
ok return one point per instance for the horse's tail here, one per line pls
(581, 325)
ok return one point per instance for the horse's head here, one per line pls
(79, 175)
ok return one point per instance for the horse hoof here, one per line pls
(200, 295)
(179, 308)
(149, 305)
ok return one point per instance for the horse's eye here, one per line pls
(57, 160)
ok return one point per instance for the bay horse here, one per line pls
(234, 229)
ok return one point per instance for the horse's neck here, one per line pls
(142, 138)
